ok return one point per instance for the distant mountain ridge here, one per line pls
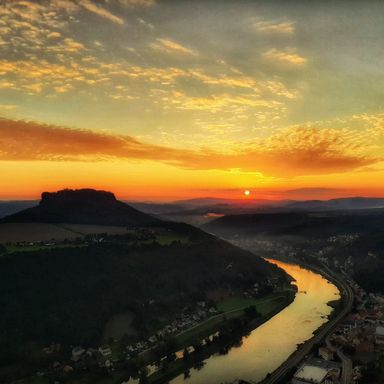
(301, 224)
(81, 206)
(12, 206)
(337, 204)
(227, 206)
(206, 204)
(201, 210)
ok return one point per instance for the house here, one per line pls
(152, 339)
(326, 353)
(108, 364)
(317, 371)
(356, 373)
(105, 351)
(77, 353)
(52, 348)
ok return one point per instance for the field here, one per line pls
(34, 232)
(15, 232)
(31, 232)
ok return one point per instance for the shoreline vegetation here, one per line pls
(190, 348)
(230, 335)
(222, 336)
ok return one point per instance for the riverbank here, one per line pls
(269, 345)
(219, 344)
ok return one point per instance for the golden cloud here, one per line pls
(100, 11)
(286, 27)
(285, 57)
(219, 102)
(136, 3)
(290, 152)
(8, 107)
(22, 140)
(171, 46)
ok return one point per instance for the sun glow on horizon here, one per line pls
(150, 106)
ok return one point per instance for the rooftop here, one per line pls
(315, 371)
(311, 374)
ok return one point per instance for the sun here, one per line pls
(247, 192)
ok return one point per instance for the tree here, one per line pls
(187, 374)
(251, 312)
(186, 354)
(171, 357)
(198, 346)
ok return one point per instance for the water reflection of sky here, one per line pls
(270, 344)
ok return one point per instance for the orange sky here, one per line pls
(133, 97)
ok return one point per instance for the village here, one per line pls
(353, 353)
(148, 355)
(113, 353)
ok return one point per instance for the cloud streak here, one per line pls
(285, 57)
(285, 28)
(21, 140)
(100, 11)
(290, 152)
(171, 46)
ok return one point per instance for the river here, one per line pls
(269, 345)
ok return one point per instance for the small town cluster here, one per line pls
(110, 355)
(354, 351)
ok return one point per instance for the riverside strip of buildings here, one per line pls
(354, 352)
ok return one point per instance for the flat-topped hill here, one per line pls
(81, 206)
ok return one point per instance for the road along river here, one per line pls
(269, 345)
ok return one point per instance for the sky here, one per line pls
(163, 100)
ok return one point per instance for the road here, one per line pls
(295, 359)
(346, 376)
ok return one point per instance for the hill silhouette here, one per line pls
(81, 206)
(299, 224)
